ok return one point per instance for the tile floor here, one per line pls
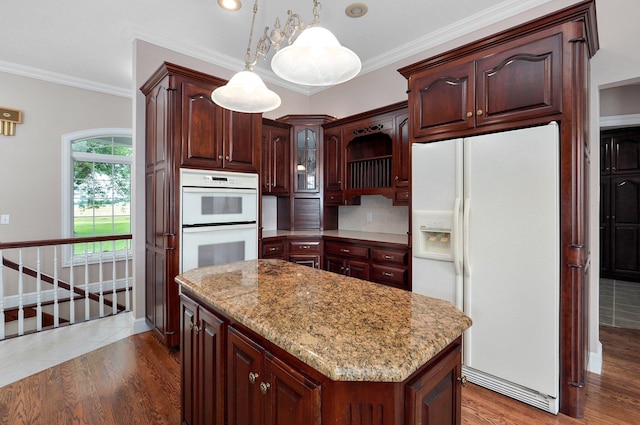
(620, 303)
(26, 355)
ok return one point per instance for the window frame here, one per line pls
(68, 192)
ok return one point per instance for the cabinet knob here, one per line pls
(219, 156)
(227, 158)
(397, 178)
(273, 248)
(264, 387)
(339, 182)
(480, 112)
(196, 328)
(252, 377)
(469, 114)
(463, 380)
(346, 270)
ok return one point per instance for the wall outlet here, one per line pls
(369, 217)
(4, 219)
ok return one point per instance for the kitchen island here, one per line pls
(269, 341)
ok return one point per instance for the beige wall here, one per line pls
(30, 161)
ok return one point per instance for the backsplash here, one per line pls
(269, 213)
(383, 216)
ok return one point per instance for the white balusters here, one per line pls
(2, 320)
(114, 297)
(87, 311)
(20, 294)
(126, 276)
(72, 294)
(38, 292)
(56, 308)
(101, 283)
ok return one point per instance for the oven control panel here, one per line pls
(208, 178)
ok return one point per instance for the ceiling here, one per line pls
(91, 41)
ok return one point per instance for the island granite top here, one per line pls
(346, 328)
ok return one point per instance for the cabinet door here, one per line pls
(292, 399)
(605, 220)
(625, 152)
(307, 160)
(625, 225)
(245, 374)
(280, 166)
(333, 160)
(242, 134)
(442, 100)
(433, 398)
(521, 82)
(359, 269)
(202, 127)
(188, 362)
(211, 363)
(401, 160)
(335, 265)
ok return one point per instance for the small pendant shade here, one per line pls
(246, 92)
(316, 58)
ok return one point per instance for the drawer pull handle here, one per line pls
(387, 274)
(273, 248)
(252, 377)
(344, 250)
(305, 247)
(387, 257)
(264, 387)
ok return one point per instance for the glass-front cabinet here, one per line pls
(306, 163)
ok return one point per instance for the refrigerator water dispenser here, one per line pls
(434, 231)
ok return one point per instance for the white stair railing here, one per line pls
(35, 284)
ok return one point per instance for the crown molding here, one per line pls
(53, 77)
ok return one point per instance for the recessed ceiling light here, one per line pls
(356, 10)
(230, 4)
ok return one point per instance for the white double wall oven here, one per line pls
(218, 216)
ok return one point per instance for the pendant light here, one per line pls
(245, 91)
(316, 58)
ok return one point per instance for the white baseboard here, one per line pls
(140, 325)
(595, 360)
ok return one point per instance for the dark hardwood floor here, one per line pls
(137, 381)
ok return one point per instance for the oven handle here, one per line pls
(201, 229)
(233, 190)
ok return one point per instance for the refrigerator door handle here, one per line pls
(465, 242)
(457, 245)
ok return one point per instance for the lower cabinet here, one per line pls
(307, 252)
(202, 357)
(274, 248)
(231, 376)
(264, 390)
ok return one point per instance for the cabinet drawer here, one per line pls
(273, 248)
(347, 250)
(333, 198)
(382, 255)
(394, 276)
(304, 247)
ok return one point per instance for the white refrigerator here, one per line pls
(485, 227)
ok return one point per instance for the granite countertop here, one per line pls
(346, 234)
(346, 328)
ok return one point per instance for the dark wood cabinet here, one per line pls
(276, 165)
(183, 128)
(307, 251)
(522, 80)
(368, 154)
(203, 365)
(620, 204)
(377, 262)
(434, 397)
(275, 247)
(527, 75)
(231, 375)
(264, 390)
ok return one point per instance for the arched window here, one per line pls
(97, 189)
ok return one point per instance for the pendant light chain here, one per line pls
(247, 57)
(316, 12)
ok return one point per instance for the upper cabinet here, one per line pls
(276, 166)
(368, 154)
(520, 81)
